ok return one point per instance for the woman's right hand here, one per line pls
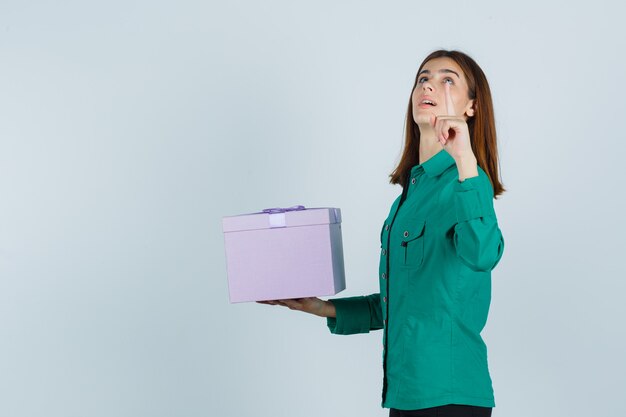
(311, 305)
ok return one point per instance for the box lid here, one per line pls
(281, 218)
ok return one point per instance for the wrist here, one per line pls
(329, 309)
(467, 167)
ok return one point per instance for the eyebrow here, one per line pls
(444, 71)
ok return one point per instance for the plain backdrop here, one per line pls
(129, 128)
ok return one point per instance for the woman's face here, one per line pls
(429, 95)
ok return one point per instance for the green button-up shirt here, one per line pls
(438, 248)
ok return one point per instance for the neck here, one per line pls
(429, 145)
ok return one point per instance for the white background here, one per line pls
(129, 128)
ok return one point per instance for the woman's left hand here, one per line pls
(452, 131)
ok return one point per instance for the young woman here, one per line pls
(439, 245)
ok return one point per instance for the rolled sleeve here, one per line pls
(356, 315)
(468, 202)
(477, 237)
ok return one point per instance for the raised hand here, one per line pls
(452, 131)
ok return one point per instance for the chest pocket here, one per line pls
(412, 244)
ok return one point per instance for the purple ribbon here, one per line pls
(282, 210)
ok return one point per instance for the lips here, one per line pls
(428, 101)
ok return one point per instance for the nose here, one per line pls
(426, 86)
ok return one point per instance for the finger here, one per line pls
(453, 126)
(292, 304)
(437, 128)
(433, 120)
(449, 103)
(440, 129)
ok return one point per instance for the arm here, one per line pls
(477, 238)
(356, 315)
(343, 315)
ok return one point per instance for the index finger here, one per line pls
(449, 103)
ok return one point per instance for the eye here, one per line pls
(421, 80)
(448, 80)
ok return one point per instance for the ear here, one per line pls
(469, 110)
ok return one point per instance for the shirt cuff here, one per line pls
(352, 316)
(467, 199)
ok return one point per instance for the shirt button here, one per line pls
(406, 233)
(386, 227)
(384, 276)
(413, 181)
(384, 252)
(384, 299)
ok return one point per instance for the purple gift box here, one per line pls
(284, 253)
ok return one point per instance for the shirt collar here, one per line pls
(435, 165)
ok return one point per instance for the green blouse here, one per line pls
(438, 248)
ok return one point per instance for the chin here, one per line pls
(421, 117)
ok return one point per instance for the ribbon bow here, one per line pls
(277, 215)
(282, 210)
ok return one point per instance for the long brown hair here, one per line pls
(482, 126)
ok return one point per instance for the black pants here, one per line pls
(450, 410)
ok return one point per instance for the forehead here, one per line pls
(436, 64)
